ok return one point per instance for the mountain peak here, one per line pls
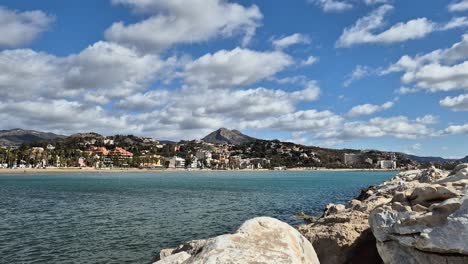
(226, 136)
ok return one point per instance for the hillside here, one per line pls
(226, 136)
(16, 137)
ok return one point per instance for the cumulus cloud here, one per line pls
(237, 67)
(406, 90)
(364, 30)
(456, 103)
(338, 6)
(398, 127)
(293, 39)
(309, 61)
(20, 28)
(457, 129)
(332, 5)
(358, 73)
(368, 109)
(179, 22)
(459, 6)
(101, 71)
(439, 70)
(427, 120)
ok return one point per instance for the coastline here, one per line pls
(418, 216)
(30, 171)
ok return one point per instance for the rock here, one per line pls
(419, 208)
(435, 231)
(259, 240)
(428, 194)
(432, 174)
(393, 253)
(356, 205)
(333, 209)
(344, 237)
(178, 258)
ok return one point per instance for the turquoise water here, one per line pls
(128, 218)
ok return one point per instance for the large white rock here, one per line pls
(262, 240)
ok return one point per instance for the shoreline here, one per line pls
(30, 171)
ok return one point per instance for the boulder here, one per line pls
(259, 240)
(436, 228)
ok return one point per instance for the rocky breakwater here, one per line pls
(261, 240)
(427, 219)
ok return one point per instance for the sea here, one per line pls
(130, 217)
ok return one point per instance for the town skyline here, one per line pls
(387, 74)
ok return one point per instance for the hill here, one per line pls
(226, 136)
(16, 137)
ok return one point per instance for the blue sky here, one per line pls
(380, 74)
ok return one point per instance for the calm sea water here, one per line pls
(128, 218)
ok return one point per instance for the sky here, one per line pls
(365, 74)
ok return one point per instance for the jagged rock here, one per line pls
(435, 231)
(344, 237)
(178, 258)
(392, 252)
(432, 174)
(333, 209)
(259, 240)
(191, 247)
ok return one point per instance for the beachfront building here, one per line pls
(176, 162)
(387, 164)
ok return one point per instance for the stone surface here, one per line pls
(435, 230)
(259, 240)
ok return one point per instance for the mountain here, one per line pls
(16, 137)
(226, 136)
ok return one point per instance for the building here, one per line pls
(369, 161)
(120, 152)
(150, 161)
(203, 154)
(176, 162)
(352, 158)
(387, 164)
(100, 151)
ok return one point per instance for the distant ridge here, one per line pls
(17, 136)
(226, 136)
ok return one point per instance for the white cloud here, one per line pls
(363, 31)
(293, 39)
(398, 127)
(461, 5)
(179, 22)
(406, 90)
(20, 28)
(236, 67)
(101, 71)
(455, 22)
(332, 5)
(456, 103)
(457, 129)
(440, 70)
(368, 109)
(358, 73)
(427, 120)
(310, 60)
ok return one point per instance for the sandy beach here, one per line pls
(29, 171)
